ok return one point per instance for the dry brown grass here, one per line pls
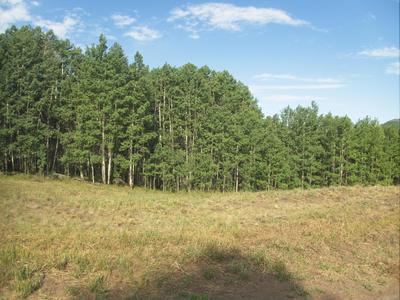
(74, 240)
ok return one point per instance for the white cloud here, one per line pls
(268, 76)
(301, 83)
(122, 20)
(143, 33)
(393, 68)
(386, 52)
(12, 11)
(61, 29)
(381, 52)
(259, 88)
(230, 17)
(289, 98)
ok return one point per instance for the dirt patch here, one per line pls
(390, 292)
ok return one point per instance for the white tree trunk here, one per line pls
(103, 154)
(109, 165)
(91, 165)
(237, 178)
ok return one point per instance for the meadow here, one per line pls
(65, 239)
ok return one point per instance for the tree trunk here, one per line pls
(47, 154)
(186, 157)
(163, 115)
(341, 166)
(131, 174)
(81, 171)
(103, 154)
(144, 173)
(109, 165)
(237, 171)
(159, 123)
(130, 166)
(55, 156)
(237, 179)
(12, 162)
(131, 178)
(5, 162)
(91, 166)
(163, 182)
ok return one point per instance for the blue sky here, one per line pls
(342, 54)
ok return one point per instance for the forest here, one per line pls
(92, 114)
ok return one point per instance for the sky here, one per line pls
(342, 54)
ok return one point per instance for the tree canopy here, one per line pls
(95, 115)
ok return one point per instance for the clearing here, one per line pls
(74, 240)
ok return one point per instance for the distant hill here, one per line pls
(392, 123)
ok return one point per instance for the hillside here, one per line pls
(75, 240)
(395, 123)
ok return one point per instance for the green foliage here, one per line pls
(240, 268)
(209, 273)
(96, 116)
(28, 280)
(97, 286)
(395, 124)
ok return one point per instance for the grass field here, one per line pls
(74, 240)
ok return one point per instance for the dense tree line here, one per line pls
(93, 114)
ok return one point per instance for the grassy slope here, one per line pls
(72, 240)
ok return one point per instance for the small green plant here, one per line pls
(73, 291)
(7, 261)
(8, 256)
(209, 273)
(195, 296)
(259, 259)
(367, 286)
(280, 271)
(240, 268)
(27, 280)
(97, 286)
(185, 281)
(82, 265)
(62, 263)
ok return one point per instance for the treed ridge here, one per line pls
(96, 116)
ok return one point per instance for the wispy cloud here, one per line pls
(393, 68)
(225, 16)
(12, 11)
(301, 83)
(290, 77)
(143, 33)
(386, 52)
(381, 52)
(122, 20)
(297, 87)
(292, 98)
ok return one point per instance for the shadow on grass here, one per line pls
(215, 272)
